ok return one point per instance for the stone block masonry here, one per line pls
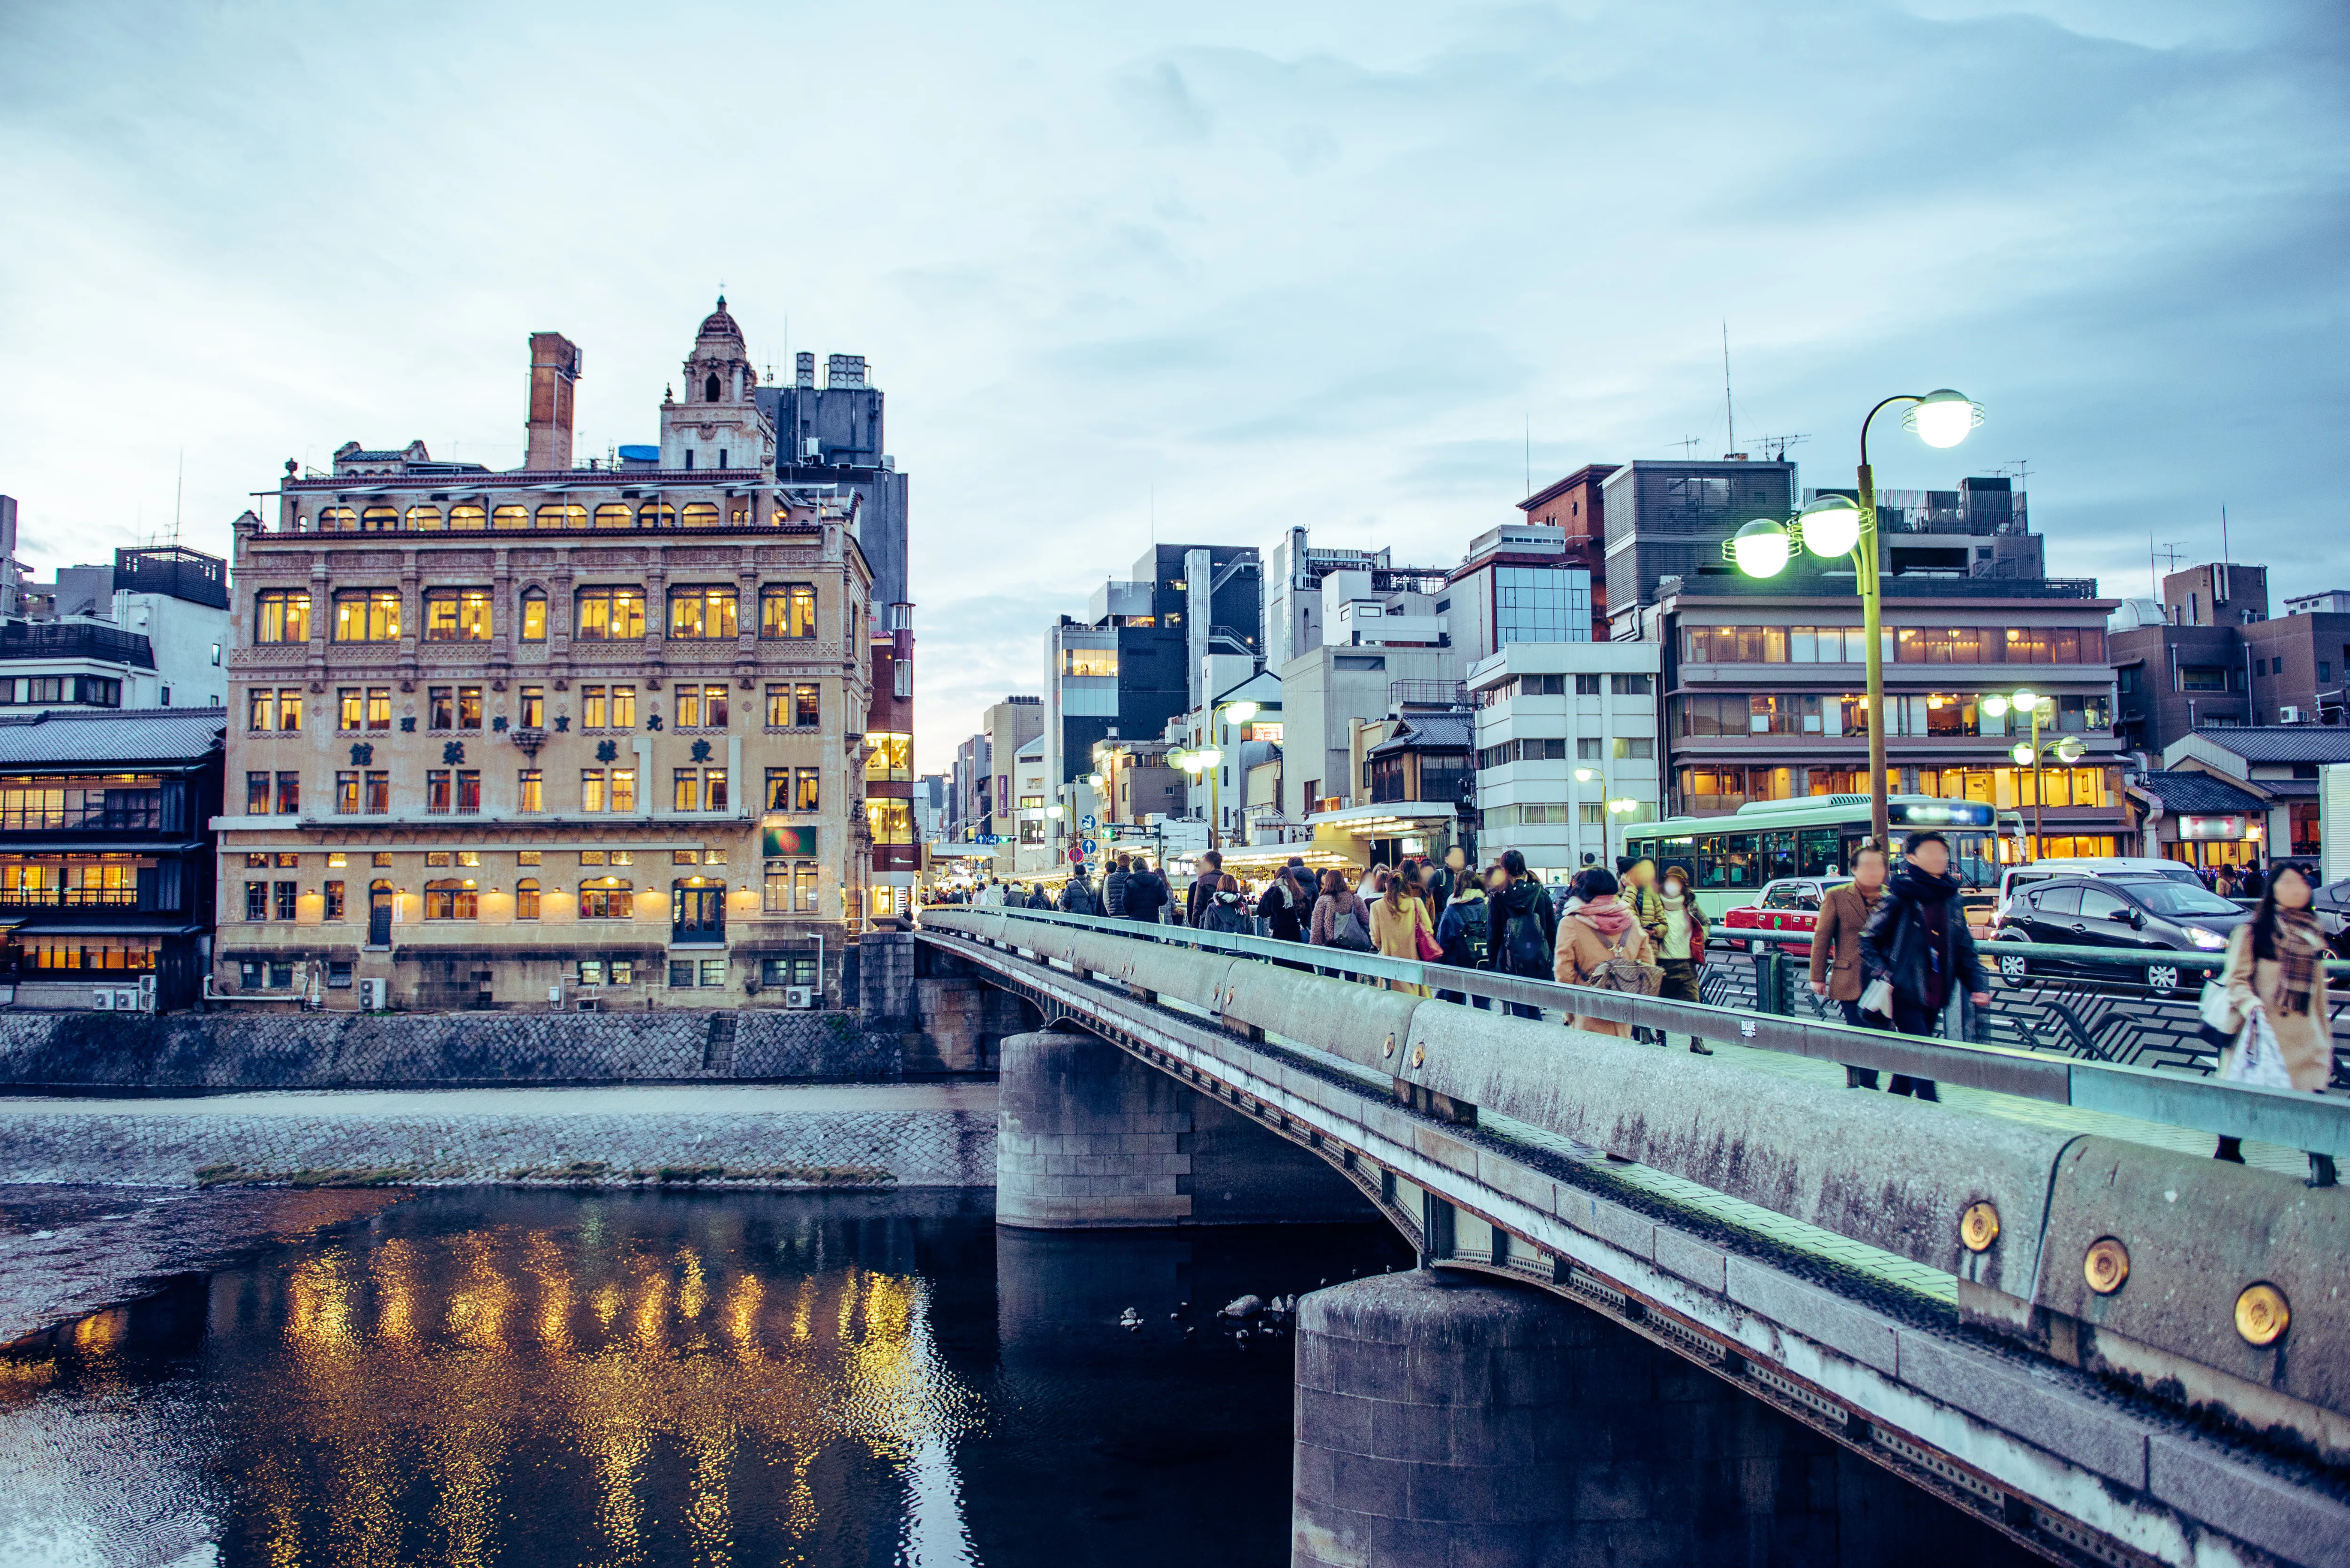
(186, 1051)
(906, 1135)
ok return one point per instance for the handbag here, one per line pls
(1353, 935)
(1617, 972)
(2258, 1061)
(2222, 1023)
(1430, 950)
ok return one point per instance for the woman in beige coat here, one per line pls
(1598, 929)
(2276, 962)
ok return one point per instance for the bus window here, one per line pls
(1778, 854)
(1735, 868)
(1708, 861)
(1971, 857)
(1817, 852)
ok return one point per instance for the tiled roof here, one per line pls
(2189, 793)
(2282, 742)
(1430, 731)
(72, 738)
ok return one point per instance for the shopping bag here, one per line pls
(2257, 1060)
(1877, 998)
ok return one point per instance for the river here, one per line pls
(516, 1377)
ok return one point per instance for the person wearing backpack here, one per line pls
(1603, 946)
(1078, 895)
(1284, 907)
(1521, 929)
(1341, 919)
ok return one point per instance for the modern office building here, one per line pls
(1566, 751)
(1668, 519)
(148, 631)
(1576, 506)
(1766, 698)
(1521, 583)
(1152, 647)
(584, 733)
(105, 855)
(2211, 656)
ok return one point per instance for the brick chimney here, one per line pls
(554, 367)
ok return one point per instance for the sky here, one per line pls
(1195, 273)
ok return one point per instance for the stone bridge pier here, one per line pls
(1089, 1138)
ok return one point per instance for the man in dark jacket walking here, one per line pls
(1145, 893)
(1521, 926)
(1114, 888)
(1077, 894)
(1918, 939)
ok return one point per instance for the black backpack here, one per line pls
(1525, 949)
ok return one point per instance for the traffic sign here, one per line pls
(1086, 821)
(1091, 847)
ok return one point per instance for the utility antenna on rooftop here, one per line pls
(1689, 445)
(1774, 448)
(179, 493)
(2154, 564)
(1728, 411)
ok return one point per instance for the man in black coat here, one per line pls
(1918, 939)
(1145, 893)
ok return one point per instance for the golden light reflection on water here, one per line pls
(693, 1400)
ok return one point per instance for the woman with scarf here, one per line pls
(1680, 949)
(1286, 906)
(2276, 963)
(1601, 927)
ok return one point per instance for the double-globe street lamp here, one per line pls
(1210, 758)
(1619, 807)
(2032, 753)
(1836, 526)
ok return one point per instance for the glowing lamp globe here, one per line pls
(2023, 755)
(1759, 548)
(2025, 701)
(1241, 713)
(2071, 750)
(1943, 417)
(1994, 706)
(1831, 525)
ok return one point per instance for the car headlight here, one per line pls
(2204, 938)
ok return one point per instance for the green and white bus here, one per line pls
(1730, 858)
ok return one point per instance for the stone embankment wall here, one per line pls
(185, 1052)
(851, 1136)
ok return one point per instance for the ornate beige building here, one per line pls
(575, 733)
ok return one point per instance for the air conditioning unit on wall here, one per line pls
(2287, 715)
(799, 996)
(375, 995)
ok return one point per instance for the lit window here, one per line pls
(610, 614)
(701, 514)
(450, 898)
(510, 518)
(281, 614)
(457, 614)
(530, 791)
(787, 609)
(701, 612)
(527, 898)
(534, 615)
(367, 615)
(564, 514)
(701, 707)
(468, 516)
(423, 517)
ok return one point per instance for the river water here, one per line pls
(527, 1379)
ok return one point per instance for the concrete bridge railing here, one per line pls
(2211, 1287)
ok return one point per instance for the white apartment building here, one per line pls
(1566, 751)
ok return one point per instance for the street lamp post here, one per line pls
(1835, 526)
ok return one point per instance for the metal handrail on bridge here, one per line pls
(2316, 1124)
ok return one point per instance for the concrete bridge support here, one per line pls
(1431, 1414)
(1087, 1138)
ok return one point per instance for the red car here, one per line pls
(1784, 914)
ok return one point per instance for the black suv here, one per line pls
(2134, 912)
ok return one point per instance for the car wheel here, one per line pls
(2162, 979)
(2012, 966)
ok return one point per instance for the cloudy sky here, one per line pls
(1207, 269)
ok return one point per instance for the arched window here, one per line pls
(607, 899)
(710, 389)
(527, 898)
(379, 519)
(468, 516)
(563, 515)
(338, 520)
(510, 518)
(423, 517)
(534, 615)
(656, 514)
(613, 514)
(701, 514)
(451, 899)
